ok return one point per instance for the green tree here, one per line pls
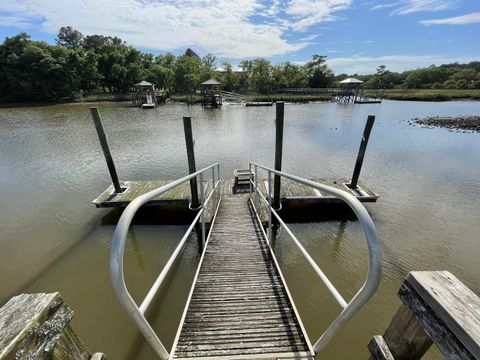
(162, 76)
(69, 37)
(261, 77)
(229, 77)
(187, 73)
(319, 74)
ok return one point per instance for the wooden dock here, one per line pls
(290, 191)
(239, 305)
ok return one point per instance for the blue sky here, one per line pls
(356, 36)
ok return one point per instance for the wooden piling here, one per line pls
(406, 338)
(361, 151)
(97, 120)
(278, 152)
(187, 126)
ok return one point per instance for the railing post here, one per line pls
(219, 193)
(270, 229)
(187, 126)
(97, 120)
(213, 177)
(256, 187)
(361, 151)
(250, 182)
(202, 205)
(278, 153)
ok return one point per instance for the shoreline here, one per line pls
(197, 99)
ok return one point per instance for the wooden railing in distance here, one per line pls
(437, 308)
(37, 326)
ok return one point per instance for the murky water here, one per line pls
(52, 238)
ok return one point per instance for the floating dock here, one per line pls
(181, 195)
(259, 103)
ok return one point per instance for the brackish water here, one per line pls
(53, 239)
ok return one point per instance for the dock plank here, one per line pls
(239, 305)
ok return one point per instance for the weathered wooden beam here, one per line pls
(97, 120)
(361, 151)
(437, 308)
(448, 311)
(37, 326)
(187, 126)
(379, 349)
(278, 152)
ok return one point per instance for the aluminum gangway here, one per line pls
(239, 306)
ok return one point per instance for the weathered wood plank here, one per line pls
(36, 326)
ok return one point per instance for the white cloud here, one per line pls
(384, 6)
(368, 64)
(404, 7)
(457, 20)
(223, 27)
(20, 22)
(306, 13)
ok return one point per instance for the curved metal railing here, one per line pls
(137, 313)
(349, 309)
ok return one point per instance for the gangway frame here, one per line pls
(137, 313)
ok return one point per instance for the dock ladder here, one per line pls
(239, 305)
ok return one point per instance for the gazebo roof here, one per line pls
(351, 81)
(143, 83)
(211, 82)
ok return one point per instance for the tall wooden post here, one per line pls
(187, 126)
(97, 120)
(361, 151)
(278, 153)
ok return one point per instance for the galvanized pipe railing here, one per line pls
(349, 309)
(118, 247)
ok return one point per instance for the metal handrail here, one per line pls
(372, 281)
(118, 247)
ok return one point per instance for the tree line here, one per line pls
(78, 64)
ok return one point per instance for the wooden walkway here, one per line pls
(239, 306)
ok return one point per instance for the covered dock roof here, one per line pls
(211, 82)
(351, 81)
(143, 83)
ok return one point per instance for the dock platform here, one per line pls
(290, 191)
(239, 305)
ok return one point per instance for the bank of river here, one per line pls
(53, 239)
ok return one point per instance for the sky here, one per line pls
(356, 36)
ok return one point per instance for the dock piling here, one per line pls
(97, 120)
(361, 151)
(278, 152)
(187, 126)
